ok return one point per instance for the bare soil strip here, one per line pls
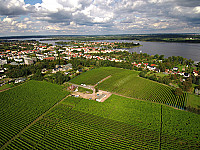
(102, 80)
(5, 89)
(22, 131)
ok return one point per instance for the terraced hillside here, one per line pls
(23, 104)
(118, 123)
(127, 83)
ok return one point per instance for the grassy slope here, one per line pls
(193, 101)
(22, 104)
(6, 86)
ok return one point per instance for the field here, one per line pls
(118, 123)
(23, 104)
(94, 76)
(193, 101)
(127, 83)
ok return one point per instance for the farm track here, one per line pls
(5, 89)
(102, 80)
(12, 87)
(40, 117)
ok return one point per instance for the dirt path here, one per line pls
(102, 80)
(5, 89)
(40, 117)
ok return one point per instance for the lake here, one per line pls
(186, 50)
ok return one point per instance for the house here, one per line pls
(28, 61)
(151, 68)
(14, 63)
(44, 70)
(197, 91)
(196, 73)
(186, 75)
(55, 70)
(79, 71)
(153, 65)
(3, 62)
(175, 69)
(157, 70)
(49, 58)
(19, 80)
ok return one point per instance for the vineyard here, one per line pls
(136, 87)
(23, 104)
(73, 124)
(127, 83)
(94, 76)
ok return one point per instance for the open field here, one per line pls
(118, 123)
(193, 101)
(23, 104)
(6, 86)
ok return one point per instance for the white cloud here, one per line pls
(197, 10)
(9, 20)
(100, 16)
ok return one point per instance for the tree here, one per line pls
(142, 74)
(37, 76)
(153, 77)
(96, 90)
(178, 92)
(187, 85)
(162, 67)
(198, 81)
(161, 57)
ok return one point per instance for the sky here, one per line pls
(98, 17)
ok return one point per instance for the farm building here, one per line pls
(100, 97)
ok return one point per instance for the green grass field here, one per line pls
(118, 123)
(6, 86)
(193, 101)
(23, 104)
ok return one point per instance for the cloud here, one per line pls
(100, 16)
(14, 7)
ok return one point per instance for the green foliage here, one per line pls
(58, 78)
(153, 77)
(23, 104)
(37, 76)
(178, 92)
(193, 103)
(186, 85)
(143, 74)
